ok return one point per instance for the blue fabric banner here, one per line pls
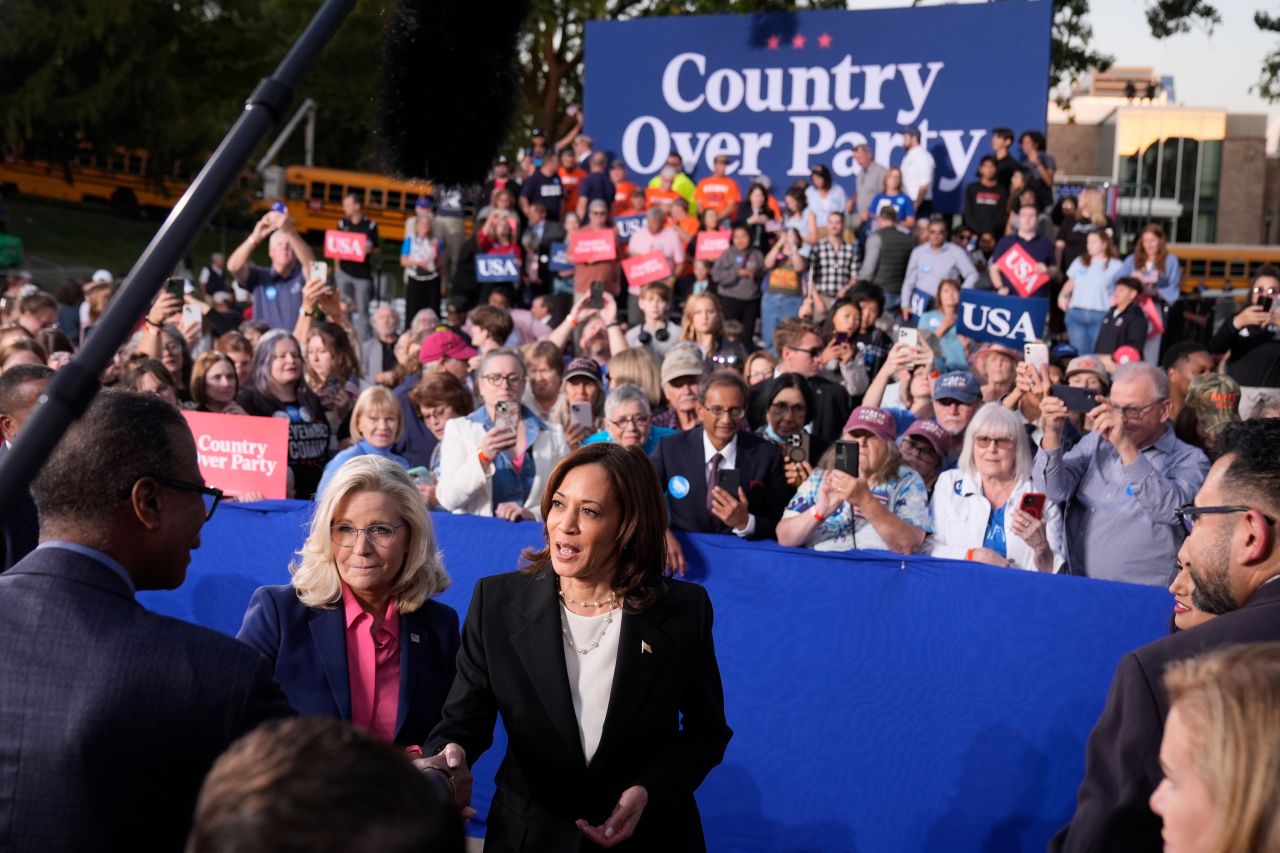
(628, 225)
(559, 261)
(780, 93)
(497, 268)
(879, 703)
(1011, 320)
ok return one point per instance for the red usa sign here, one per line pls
(643, 269)
(711, 245)
(599, 244)
(1020, 268)
(345, 245)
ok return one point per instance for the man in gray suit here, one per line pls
(110, 715)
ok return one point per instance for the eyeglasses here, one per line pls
(212, 496)
(1188, 513)
(780, 409)
(812, 353)
(509, 380)
(1267, 291)
(172, 349)
(637, 421)
(377, 535)
(985, 441)
(719, 412)
(1135, 412)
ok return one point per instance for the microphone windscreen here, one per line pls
(450, 84)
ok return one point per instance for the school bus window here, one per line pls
(85, 158)
(335, 193)
(295, 192)
(410, 201)
(135, 164)
(117, 163)
(393, 199)
(358, 192)
(317, 190)
(375, 198)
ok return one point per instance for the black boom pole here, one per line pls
(73, 387)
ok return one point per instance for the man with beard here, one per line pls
(1233, 556)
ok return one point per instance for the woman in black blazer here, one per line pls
(360, 594)
(603, 671)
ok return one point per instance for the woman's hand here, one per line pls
(512, 511)
(1031, 530)
(452, 762)
(496, 440)
(575, 435)
(1252, 315)
(675, 562)
(428, 493)
(837, 352)
(986, 555)
(833, 492)
(312, 292)
(165, 306)
(796, 472)
(622, 823)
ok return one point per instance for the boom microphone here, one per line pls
(449, 133)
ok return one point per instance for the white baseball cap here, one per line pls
(103, 277)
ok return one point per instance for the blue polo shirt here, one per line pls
(277, 299)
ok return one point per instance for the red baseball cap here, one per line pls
(932, 432)
(874, 420)
(444, 344)
(1126, 355)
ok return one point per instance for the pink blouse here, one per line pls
(373, 667)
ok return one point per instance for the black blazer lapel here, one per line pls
(644, 653)
(329, 633)
(693, 465)
(537, 637)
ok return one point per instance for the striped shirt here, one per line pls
(1119, 518)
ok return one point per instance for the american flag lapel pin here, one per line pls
(414, 638)
(645, 648)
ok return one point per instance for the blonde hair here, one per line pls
(314, 570)
(376, 398)
(686, 322)
(637, 366)
(1229, 700)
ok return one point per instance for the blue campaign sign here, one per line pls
(559, 261)
(780, 93)
(628, 225)
(497, 268)
(987, 316)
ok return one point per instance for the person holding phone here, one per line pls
(495, 461)
(861, 495)
(1253, 338)
(789, 399)
(986, 510)
(580, 409)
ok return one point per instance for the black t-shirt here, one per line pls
(547, 190)
(308, 434)
(986, 208)
(1255, 358)
(1124, 329)
(1074, 233)
(369, 228)
(1005, 167)
(597, 186)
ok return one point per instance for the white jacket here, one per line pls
(466, 488)
(960, 514)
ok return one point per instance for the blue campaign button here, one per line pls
(271, 291)
(678, 486)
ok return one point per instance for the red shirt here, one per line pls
(373, 667)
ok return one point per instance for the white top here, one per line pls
(591, 675)
(917, 168)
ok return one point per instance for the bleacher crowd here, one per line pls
(808, 384)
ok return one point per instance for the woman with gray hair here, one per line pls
(495, 461)
(628, 421)
(355, 634)
(985, 510)
(279, 389)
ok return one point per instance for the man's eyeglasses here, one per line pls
(1188, 513)
(212, 496)
(497, 379)
(1135, 412)
(719, 412)
(780, 409)
(378, 535)
(637, 421)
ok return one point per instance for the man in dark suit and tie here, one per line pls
(20, 388)
(689, 466)
(110, 715)
(1232, 553)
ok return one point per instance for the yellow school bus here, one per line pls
(120, 179)
(1221, 268)
(314, 196)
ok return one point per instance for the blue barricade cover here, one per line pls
(878, 703)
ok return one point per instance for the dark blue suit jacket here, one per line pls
(110, 715)
(308, 647)
(20, 529)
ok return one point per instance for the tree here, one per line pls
(1268, 85)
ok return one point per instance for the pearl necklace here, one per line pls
(568, 638)
(611, 601)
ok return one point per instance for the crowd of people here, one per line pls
(808, 384)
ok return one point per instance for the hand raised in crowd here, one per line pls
(1053, 414)
(498, 439)
(837, 488)
(575, 434)
(263, 227)
(841, 352)
(428, 493)
(796, 472)
(730, 509)
(1031, 381)
(512, 511)
(622, 823)
(1252, 315)
(675, 562)
(164, 308)
(1108, 422)
(452, 762)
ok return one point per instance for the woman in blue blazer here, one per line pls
(355, 634)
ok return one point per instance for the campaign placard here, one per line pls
(558, 260)
(711, 245)
(643, 269)
(346, 245)
(1011, 320)
(1019, 268)
(497, 268)
(597, 244)
(627, 226)
(239, 453)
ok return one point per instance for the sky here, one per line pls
(1208, 70)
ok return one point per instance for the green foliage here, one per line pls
(1071, 56)
(1171, 17)
(1268, 85)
